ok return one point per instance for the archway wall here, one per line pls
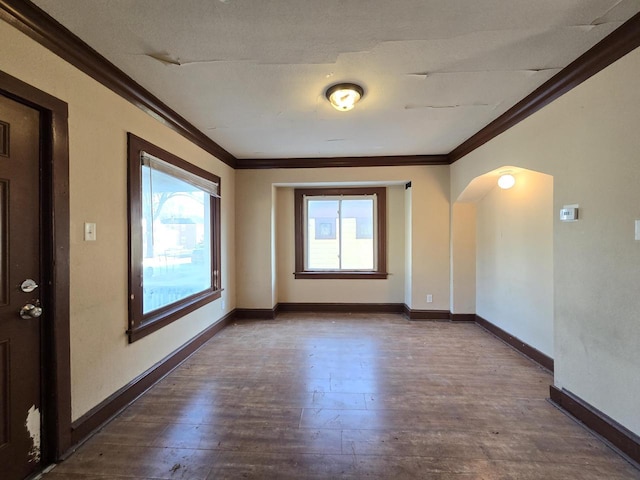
(587, 140)
(514, 259)
(502, 254)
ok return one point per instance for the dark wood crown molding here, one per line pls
(44, 29)
(327, 162)
(37, 24)
(613, 47)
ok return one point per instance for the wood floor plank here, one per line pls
(347, 396)
(130, 461)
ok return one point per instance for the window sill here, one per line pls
(344, 275)
(156, 320)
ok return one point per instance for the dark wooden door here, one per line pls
(20, 342)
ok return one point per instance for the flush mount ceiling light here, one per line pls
(344, 96)
(506, 181)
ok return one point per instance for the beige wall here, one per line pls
(463, 258)
(254, 224)
(587, 140)
(429, 232)
(101, 359)
(514, 273)
(341, 291)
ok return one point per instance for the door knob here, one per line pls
(30, 311)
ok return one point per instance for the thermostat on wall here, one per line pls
(569, 213)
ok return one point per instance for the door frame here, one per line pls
(55, 233)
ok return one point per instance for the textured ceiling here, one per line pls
(252, 74)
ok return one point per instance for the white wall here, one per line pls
(514, 276)
(588, 141)
(101, 359)
(429, 231)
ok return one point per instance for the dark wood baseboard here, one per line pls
(256, 313)
(268, 314)
(463, 317)
(374, 308)
(427, 314)
(88, 423)
(620, 437)
(342, 307)
(536, 355)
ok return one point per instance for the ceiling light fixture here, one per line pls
(506, 181)
(344, 96)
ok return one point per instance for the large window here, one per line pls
(340, 233)
(174, 238)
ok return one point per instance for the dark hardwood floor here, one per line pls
(348, 396)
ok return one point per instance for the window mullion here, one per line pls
(340, 234)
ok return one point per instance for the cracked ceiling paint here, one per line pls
(252, 75)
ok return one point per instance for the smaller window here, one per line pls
(325, 228)
(340, 233)
(364, 227)
(174, 239)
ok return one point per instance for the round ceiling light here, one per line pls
(506, 181)
(344, 96)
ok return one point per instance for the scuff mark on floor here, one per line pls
(33, 428)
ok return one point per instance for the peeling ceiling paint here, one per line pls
(252, 75)
(469, 105)
(167, 59)
(455, 72)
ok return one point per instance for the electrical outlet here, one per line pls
(429, 298)
(222, 305)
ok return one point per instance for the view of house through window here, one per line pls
(340, 232)
(174, 237)
(176, 247)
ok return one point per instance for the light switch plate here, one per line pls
(637, 229)
(89, 232)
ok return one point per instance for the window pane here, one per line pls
(357, 245)
(176, 240)
(323, 248)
